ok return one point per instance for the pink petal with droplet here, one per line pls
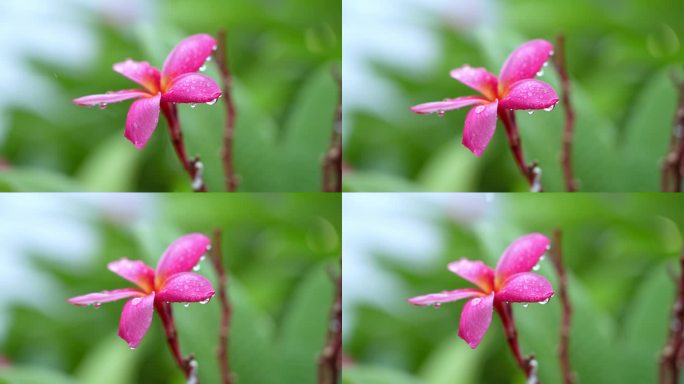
(479, 127)
(141, 72)
(105, 296)
(521, 256)
(111, 97)
(192, 88)
(447, 105)
(134, 271)
(182, 255)
(529, 94)
(444, 297)
(136, 318)
(474, 271)
(478, 79)
(142, 120)
(188, 56)
(524, 62)
(475, 319)
(525, 287)
(186, 287)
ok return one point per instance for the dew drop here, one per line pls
(440, 113)
(551, 53)
(103, 105)
(546, 64)
(196, 268)
(476, 301)
(132, 348)
(543, 256)
(193, 105)
(204, 257)
(208, 58)
(212, 102)
(136, 301)
(205, 301)
(526, 305)
(437, 305)
(549, 109)
(530, 112)
(541, 72)
(544, 301)
(203, 68)
(186, 305)
(536, 267)
(215, 47)
(479, 109)
(97, 305)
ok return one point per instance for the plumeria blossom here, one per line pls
(172, 282)
(177, 82)
(510, 282)
(514, 89)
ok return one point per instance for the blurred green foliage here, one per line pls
(619, 251)
(280, 252)
(282, 56)
(620, 55)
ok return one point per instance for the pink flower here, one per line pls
(172, 282)
(514, 89)
(177, 82)
(512, 282)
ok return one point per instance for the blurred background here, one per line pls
(398, 53)
(282, 56)
(280, 252)
(620, 252)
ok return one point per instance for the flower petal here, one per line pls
(475, 319)
(141, 72)
(526, 287)
(186, 287)
(192, 88)
(529, 94)
(188, 56)
(134, 271)
(478, 79)
(182, 255)
(479, 127)
(523, 254)
(110, 97)
(136, 318)
(524, 62)
(444, 297)
(142, 120)
(474, 271)
(105, 296)
(447, 105)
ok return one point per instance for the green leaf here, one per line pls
(305, 327)
(112, 167)
(33, 375)
(35, 180)
(453, 363)
(453, 168)
(110, 362)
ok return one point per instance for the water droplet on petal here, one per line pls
(205, 301)
(97, 305)
(541, 72)
(203, 68)
(204, 257)
(476, 301)
(212, 102)
(440, 113)
(437, 305)
(209, 58)
(549, 109)
(551, 53)
(196, 268)
(136, 301)
(544, 301)
(186, 305)
(546, 64)
(526, 305)
(193, 105)
(103, 105)
(530, 112)
(479, 109)
(132, 348)
(536, 267)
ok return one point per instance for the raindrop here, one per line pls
(479, 109)
(212, 102)
(476, 301)
(205, 301)
(214, 48)
(437, 305)
(440, 113)
(526, 305)
(97, 305)
(549, 109)
(136, 301)
(193, 105)
(543, 256)
(541, 72)
(103, 105)
(186, 305)
(204, 257)
(132, 348)
(546, 64)
(203, 68)
(530, 112)
(196, 268)
(536, 267)
(209, 58)
(551, 53)
(544, 301)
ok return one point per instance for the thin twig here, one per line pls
(332, 162)
(330, 360)
(231, 113)
(193, 167)
(671, 356)
(216, 257)
(188, 365)
(566, 152)
(528, 364)
(564, 344)
(531, 172)
(673, 165)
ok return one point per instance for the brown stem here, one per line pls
(532, 172)
(332, 162)
(671, 356)
(193, 167)
(216, 257)
(229, 132)
(566, 152)
(673, 165)
(187, 365)
(330, 359)
(528, 365)
(563, 346)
